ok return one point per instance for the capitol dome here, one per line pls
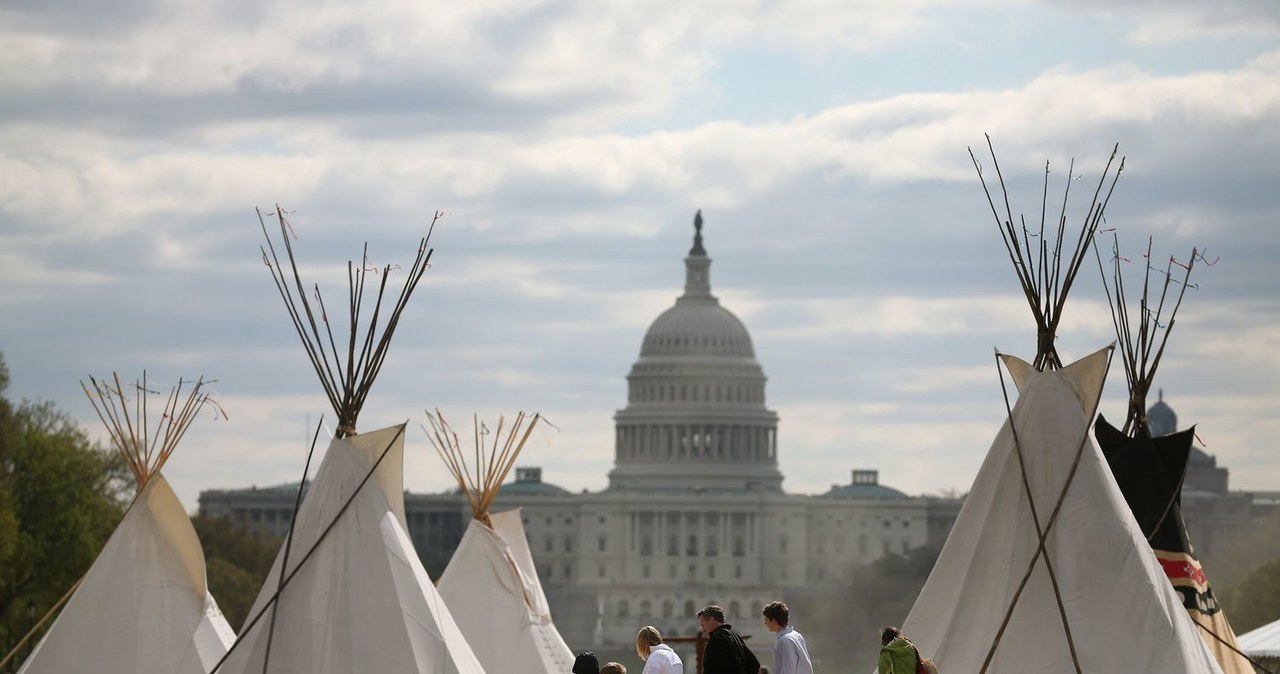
(1161, 419)
(695, 415)
(697, 327)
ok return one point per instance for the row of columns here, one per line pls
(673, 442)
(750, 393)
(688, 524)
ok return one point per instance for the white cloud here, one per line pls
(872, 278)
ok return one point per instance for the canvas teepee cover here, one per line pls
(1045, 569)
(1149, 470)
(362, 602)
(491, 584)
(143, 606)
(1123, 616)
(347, 592)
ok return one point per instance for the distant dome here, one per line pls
(696, 418)
(529, 481)
(865, 491)
(546, 488)
(1161, 419)
(697, 327)
(865, 484)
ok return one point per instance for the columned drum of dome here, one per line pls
(695, 415)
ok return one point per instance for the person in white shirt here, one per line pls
(658, 657)
(790, 654)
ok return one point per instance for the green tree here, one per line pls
(1256, 601)
(60, 498)
(236, 563)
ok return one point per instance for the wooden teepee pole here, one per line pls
(1046, 287)
(481, 478)
(347, 375)
(144, 446)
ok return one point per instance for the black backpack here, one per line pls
(746, 660)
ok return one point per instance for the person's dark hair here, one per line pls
(777, 612)
(712, 611)
(889, 634)
(586, 663)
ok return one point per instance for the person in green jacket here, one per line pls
(897, 654)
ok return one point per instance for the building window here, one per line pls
(737, 571)
(735, 609)
(886, 546)
(602, 571)
(711, 571)
(692, 548)
(644, 570)
(673, 546)
(644, 608)
(782, 545)
(568, 544)
(667, 608)
(624, 609)
(646, 545)
(568, 571)
(550, 544)
(689, 608)
(601, 543)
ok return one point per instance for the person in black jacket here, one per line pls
(725, 652)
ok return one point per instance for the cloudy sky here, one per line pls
(571, 142)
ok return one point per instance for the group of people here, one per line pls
(726, 653)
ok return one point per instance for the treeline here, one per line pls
(61, 497)
(842, 624)
(1245, 576)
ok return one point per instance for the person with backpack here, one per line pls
(725, 652)
(899, 656)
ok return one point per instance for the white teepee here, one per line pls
(143, 606)
(1045, 569)
(347, 593)
(491, 584)
(361, 602)
(975, 613)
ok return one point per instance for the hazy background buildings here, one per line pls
(694, 512)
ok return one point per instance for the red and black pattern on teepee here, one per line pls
(1149, 472)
